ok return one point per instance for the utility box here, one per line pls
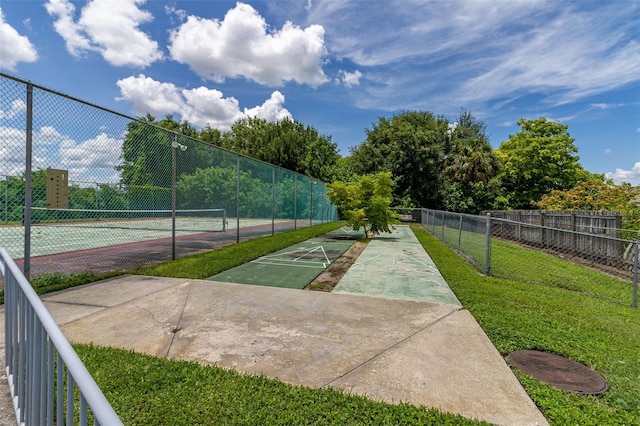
(57, 189)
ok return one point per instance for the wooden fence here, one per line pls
(592, 236)
(590, 222)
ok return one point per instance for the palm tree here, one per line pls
(472, 160)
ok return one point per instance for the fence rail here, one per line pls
(64, 153)
(473, 237)
(43, 370)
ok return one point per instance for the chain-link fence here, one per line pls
(86, 188)
(486, 242)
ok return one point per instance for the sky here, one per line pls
(340, 65)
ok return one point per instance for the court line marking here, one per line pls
(279, 258)
(314, 265)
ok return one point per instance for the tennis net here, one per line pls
(193, 220)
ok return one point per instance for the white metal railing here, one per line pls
(42, 367)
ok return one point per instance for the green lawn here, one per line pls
(570, 311)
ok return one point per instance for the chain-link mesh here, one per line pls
(112, 192)
(484, 241)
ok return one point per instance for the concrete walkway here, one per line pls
(390, 349)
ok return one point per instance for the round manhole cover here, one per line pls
(558, 371)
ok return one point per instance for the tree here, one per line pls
(411, 146)
(146, 152)
(471, 158)
(538, 159)
(470, 167)
(366, 202)
(286, 143)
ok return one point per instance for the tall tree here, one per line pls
(286, 143)
(146, 152)
(411, 146)
(471, 158)
(538, 159)
(470, 168)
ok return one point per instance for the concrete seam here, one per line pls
(177, 327)
(392, 346)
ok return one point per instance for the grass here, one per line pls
(572, 311)
(146, 390)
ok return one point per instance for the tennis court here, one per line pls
(73, 230)
(293, 267)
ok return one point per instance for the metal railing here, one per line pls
(43, 370)
(474, 237)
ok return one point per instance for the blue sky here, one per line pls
(340, 65)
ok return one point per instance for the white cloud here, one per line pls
(14, 47)
(271, 109)
(607, 151)
(12, 150)
(94, 159)
(90, 160)
(630, 176)
(150, 96)
(349, 79)
(200, 106)
(179, 13)
(243, 45)
(470, 53)
(108, 27)
(17, 106)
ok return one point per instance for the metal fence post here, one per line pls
(324, 197)
(273, 200)
(237, 198)
(636, 263)
(174, 146)
(27, 184)
(487, 255)
(295, 201)
(433, 232)
(6, 199)
(460, 234)
(310, 203)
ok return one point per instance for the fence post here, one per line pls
(27, 184)
(237, 199)
(295, 201)
(636, 263)
(324, 197)
(273, 200)
(487, 255)
(460, 234)
(6, 199)
(310, 203)
(174, 146)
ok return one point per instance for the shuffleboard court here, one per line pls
(293, 267)
(395, 266)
